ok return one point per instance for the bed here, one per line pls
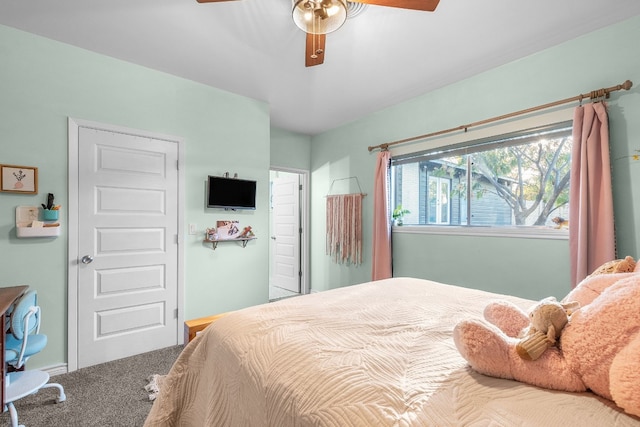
(374, 354)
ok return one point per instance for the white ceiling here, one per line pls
(253, 48)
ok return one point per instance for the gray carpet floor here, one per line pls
(110, 394)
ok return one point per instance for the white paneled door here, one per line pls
(286, 232)
(127, 267)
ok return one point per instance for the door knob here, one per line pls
(87, 259)
(273, 237)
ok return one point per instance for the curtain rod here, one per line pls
(594, 94)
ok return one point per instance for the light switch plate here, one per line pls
(193, 229)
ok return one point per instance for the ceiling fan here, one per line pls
(317, 18)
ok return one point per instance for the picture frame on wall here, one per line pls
(18, 179)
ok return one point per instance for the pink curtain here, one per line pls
(591, 227)
(381, 261)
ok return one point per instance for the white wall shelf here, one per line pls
(242, 240)
(38, 231)
(26, 215)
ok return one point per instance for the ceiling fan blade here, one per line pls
(211, 1)
(426, 5)
(315, 49)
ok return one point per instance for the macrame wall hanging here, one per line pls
(344, 226)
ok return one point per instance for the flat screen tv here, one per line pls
(230, 193)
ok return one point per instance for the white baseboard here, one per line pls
(55, 369)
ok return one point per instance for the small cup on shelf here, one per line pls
(50, 214)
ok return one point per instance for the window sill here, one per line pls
(515, 232)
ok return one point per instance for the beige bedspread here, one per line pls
(376, 354)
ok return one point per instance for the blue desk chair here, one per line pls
(23, 340)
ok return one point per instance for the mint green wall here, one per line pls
(519, 266)
(290, 150)
(524, 267)
(42, 82)
(336, 156)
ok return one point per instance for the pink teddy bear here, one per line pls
(598, 350)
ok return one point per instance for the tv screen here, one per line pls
(231, 193)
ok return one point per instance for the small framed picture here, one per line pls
(19, 179)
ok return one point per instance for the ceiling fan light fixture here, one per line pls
(319, 16)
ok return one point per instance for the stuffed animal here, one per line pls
(548, 317)
(560, 222)
(626, 265)
(601, 278)
(597, 349)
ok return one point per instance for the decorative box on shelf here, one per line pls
(228, 231)
(28, 225)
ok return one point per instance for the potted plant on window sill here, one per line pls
(398, 214)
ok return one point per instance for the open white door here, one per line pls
(286, 232)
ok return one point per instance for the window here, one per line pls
(515, 180)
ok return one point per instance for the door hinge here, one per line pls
(300, 187)
(175, 313)
(178, 164)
